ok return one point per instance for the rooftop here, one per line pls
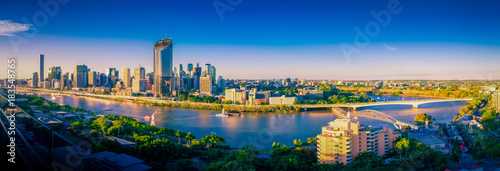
(426, 139)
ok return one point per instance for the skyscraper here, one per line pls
(34, 80)
(139, 83)
(65, 81)
(208, 69)
(54, 73)
(190, 68)
(126, 77)
(196, 78)
(41, 67)
(196, 64)
(140, 73)
(221, 83)
(80, 76)
(163, 59)
(180, 69)
(206, 85)
(92, 78)
(214, 78)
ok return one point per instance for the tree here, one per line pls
(456, 152)
(367, 160)
(108, 145)
(189, 137)
(478, 153)
(214, 153)
(403, 146)
(178, 135)
(421, 118)
(213, 139)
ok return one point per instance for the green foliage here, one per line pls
(367, 160)
(213, 139)
(493, 151)
(456, 152)
(108, 145)
(477, 152)
(214, 154)
(244, 159)
(421, 118)
(286, 158)
(94, 133)
(159, 150)
(414, 155)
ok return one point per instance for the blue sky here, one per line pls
(262, 39)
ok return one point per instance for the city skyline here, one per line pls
(462, 43)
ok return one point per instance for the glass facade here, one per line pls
(163, 59)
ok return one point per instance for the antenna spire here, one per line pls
(165, 33)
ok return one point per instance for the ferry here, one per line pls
(224, 114)
(107, 109)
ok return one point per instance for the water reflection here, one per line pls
(257, 129)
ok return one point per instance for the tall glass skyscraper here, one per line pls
(41, 67)
(163, 63)
(54, 73)
(80, 76)
(190, 67)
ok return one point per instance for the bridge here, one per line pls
(373, 114)
(414, 103)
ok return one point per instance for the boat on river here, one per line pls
(227, 114)
(107, 109)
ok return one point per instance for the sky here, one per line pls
(260, 39)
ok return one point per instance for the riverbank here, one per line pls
(186, 104)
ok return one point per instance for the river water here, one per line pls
(258, 129)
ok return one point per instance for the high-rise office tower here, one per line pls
(163, 61)
(139, 73)
(112, 75)
(214, 78)
(109, 71)
(92, 78)
(34, 80)
(196, 64)
(103, 79)
(80, 76)
(65, 81)
(126, 77)
(54, 73)
(180, 69)
(41, 67)
(139, 83)
(196, 78)
(206, 85)
(150, 77)
(190, 68)
(208, 69)
(221, 83)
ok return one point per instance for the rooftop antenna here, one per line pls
(165, 33)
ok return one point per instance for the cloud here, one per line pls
(389, 47)
(8, 28)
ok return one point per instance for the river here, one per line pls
(258, 129)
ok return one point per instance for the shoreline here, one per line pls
(285, 109)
